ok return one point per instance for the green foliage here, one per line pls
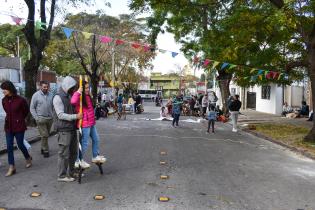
(8, 40)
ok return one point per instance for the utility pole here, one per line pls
(18, 46)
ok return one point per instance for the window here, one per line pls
(265, 92)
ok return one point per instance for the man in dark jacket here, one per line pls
(65, 123)
(234, 107)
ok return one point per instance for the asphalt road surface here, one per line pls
(224, 170)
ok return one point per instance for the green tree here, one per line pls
(9, 40)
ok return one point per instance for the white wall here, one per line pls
(272, 105)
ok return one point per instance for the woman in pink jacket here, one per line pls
(88, 126)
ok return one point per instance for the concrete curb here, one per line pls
(30, 140)
(294, 149)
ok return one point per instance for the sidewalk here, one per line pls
(30, 134)
(255, 117)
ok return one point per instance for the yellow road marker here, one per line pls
(99, 197)
(162, 163)
(35, 194)
(163, 153)
(164, 199)
(164, 177)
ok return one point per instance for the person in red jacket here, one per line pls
(16, 109)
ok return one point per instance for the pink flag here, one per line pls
(206, 62)
(17, 20)
(275, 75)
(146, 48)
(105, 39)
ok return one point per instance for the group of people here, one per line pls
(208, 105)
(288, 111)
(62, 110)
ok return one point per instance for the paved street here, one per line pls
(224, 170)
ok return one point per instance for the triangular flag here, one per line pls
(162, 51)
(266, 73)
(232, 66)
(146, 48)
(105, 39)
(260, 77)
(87, 35)
(119, 41)
(253, 70)
(67, 31)
(135, 45)
(39, 25)
(174, 54)
(17, 20)
(275, 75)
(269, 75)
(224, 65)
(152, 49)
(280, 76)
(215, 64)
(206, 62)
(260, 72)
(252, 78)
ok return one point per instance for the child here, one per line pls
(212, 115)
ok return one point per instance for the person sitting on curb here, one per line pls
(304, 111)
(286, 109)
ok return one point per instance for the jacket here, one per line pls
(64, 116)
(16, 109)
(41, 105)
(88, 112)
(235, 106)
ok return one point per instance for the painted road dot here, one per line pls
(163, 153)
(164, 177)
(162, 162)
(164, 199)
(35, 194)
(99, 197)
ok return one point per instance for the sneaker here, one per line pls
(66, 179)
(99, 159)
(234, 130)
(83, 164)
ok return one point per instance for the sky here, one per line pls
(162, 63)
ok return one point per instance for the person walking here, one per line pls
(16, 109)
(234, 107)
(120, 100)
(65, 124)
(177, 103)
(41, 110)
(212, 116)
(204, 105)
(212, 99)
(88, 126)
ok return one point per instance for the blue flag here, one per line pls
(67, 31)
(174, 54)
(224, 65)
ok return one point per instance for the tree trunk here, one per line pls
(30, 72)
(94, 84)
(225, 93)
(310, 137)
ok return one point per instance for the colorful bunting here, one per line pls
(39, 25)
(17, 20)
(67, 31)
(280, 75)
(260, 72)
(105, 39)
(206, 63)
(232, 66)
(260, 77)
(224, 65)
(174, 54)
(87, 35)
(135, 45)
(275, 75)
(152, 49)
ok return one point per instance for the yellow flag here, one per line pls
(253, 70)
(86, 35)
(215, 64)
(260, 77)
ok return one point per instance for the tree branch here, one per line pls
(295, 64)
(278, 3)
(28, 30)
(81, 57)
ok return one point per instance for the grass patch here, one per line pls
(287, 134)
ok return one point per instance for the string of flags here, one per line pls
(259, 74)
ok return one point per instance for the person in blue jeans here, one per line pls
(212, 116)
(177, 103)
